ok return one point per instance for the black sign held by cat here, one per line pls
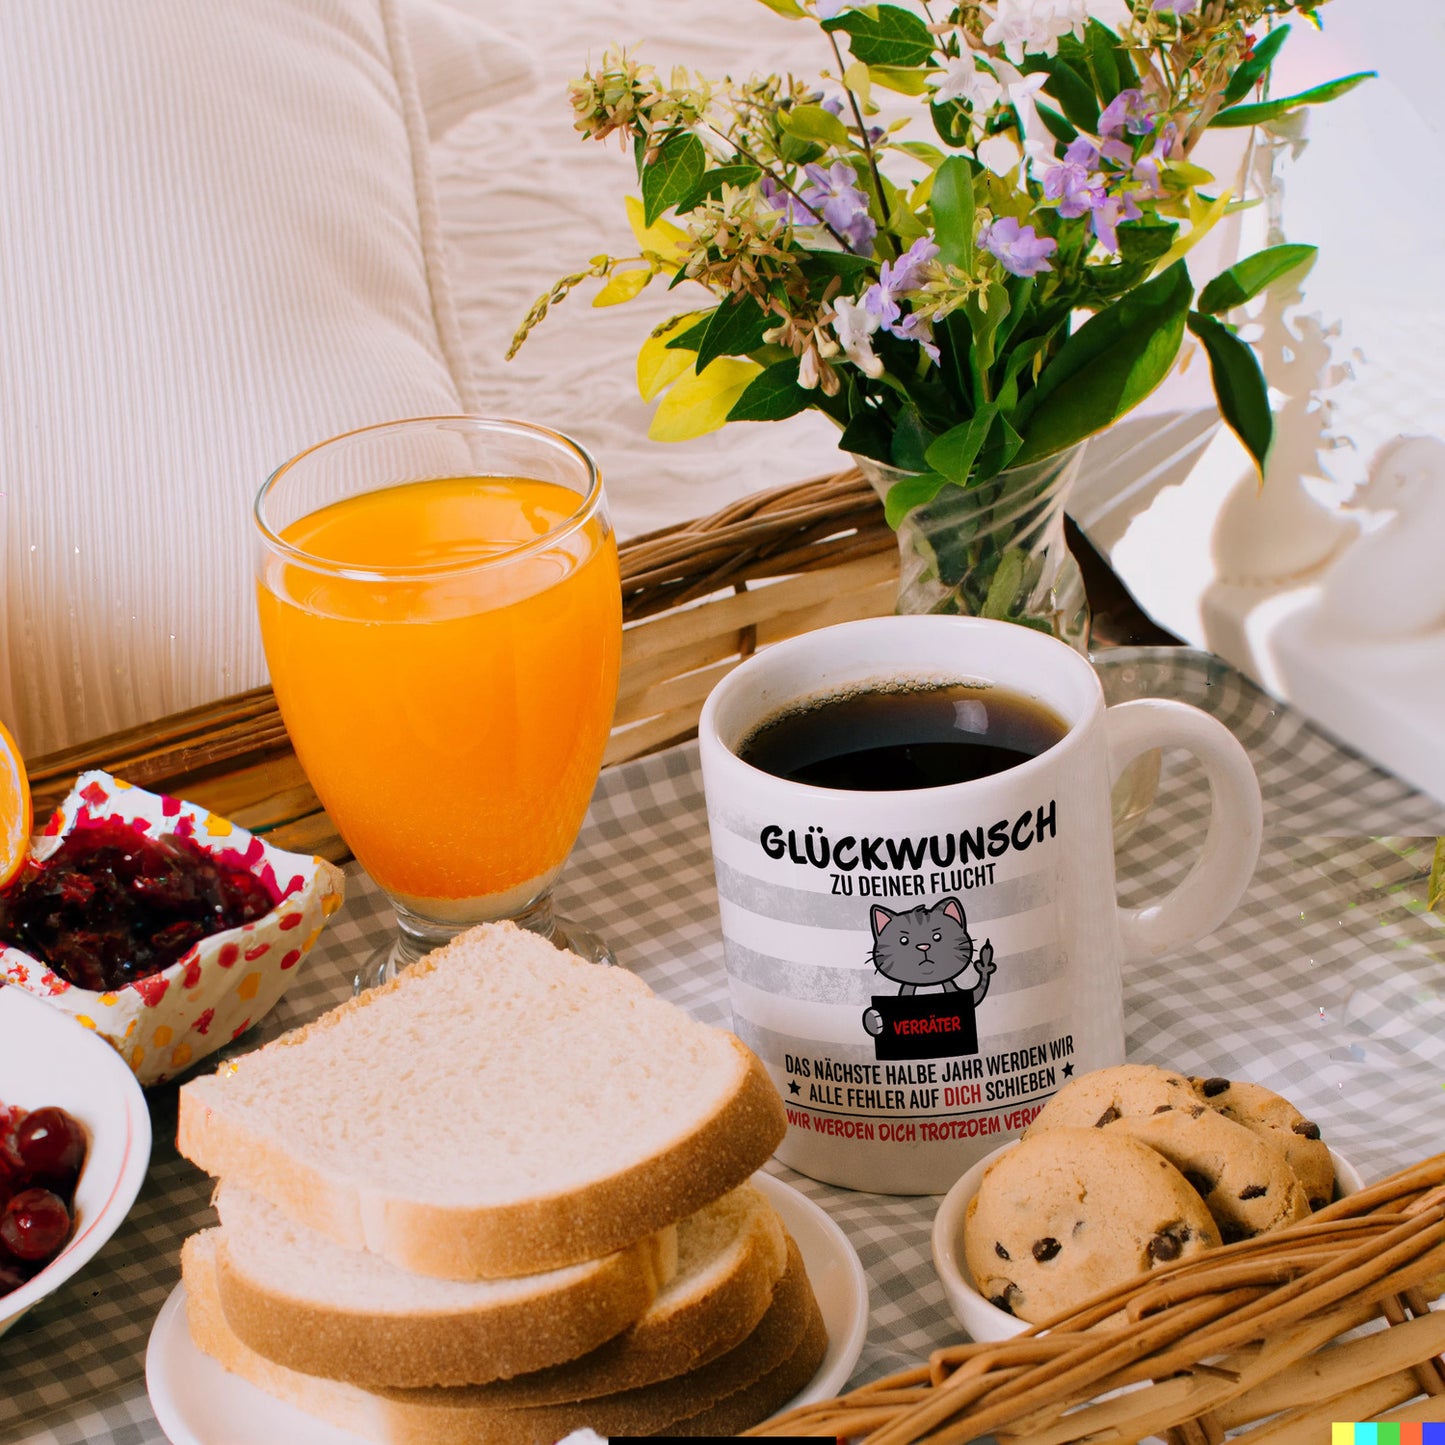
(926, 948)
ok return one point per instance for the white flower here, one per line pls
(1033, 26)
(966, 79)
(999, 153)
(854, 325)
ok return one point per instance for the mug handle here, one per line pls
(1215, 884)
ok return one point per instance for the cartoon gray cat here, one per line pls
(926, 947)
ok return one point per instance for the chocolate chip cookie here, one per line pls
(1068, 1212)
(1245, 1183)
(1103, 1095)
(1278, 1122)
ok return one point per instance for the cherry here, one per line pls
(34, 1224)
(51, 1145)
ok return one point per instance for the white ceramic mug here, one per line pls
(899, 1089)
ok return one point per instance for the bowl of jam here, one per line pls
(164, 928)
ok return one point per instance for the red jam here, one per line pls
(41, 1154)
(112, 905)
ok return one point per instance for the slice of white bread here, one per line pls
(305, 1302)
(312, 1304)
(736, 1389)
(500, 1108)
(730, 1256)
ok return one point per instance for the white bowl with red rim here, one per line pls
(982, 1320)
(46, 1058)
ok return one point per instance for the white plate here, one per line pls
(48, 1058)
(199, 1403)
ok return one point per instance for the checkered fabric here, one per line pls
(1325, 985)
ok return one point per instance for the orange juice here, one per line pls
(451, 697)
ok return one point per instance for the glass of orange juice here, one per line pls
(442, 617)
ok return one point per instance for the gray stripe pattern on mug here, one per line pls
(820, 910)
(815, 983)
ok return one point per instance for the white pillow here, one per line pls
(218, 245)
(460, 64)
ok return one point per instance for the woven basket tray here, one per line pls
(1264, 1336)
(697, 598)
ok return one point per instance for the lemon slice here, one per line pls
(15, 813)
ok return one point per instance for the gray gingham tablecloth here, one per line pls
(1328, 984)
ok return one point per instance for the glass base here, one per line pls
(384, 963)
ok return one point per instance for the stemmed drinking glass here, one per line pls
(441, 613)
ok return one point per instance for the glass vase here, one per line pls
(994, 548)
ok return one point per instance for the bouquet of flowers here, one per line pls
(971, 274)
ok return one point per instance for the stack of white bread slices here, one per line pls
(501, 1198)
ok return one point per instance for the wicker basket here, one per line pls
(697, 598)
(1271, 1335)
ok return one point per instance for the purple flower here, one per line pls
(878, 301)
(1082, 152)
(779, 198)
(1020, 249)
(917, 328)
(1146, 169)
(1108, 216)
(1131, 111)
(910, 270)
(1176, 7)
(897, 279)
(1076, 188)
(834, 194)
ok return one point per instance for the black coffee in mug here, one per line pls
(903, 735)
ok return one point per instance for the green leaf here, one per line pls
(813, 123)
(672, 174)
(1109, 365)
(1238, 115)
(710, 183)
(788, 9)
(953, 454)
(1056, 125)
(1074, 94)
(1247, 278)
(921, 150)
(986, 321)
(691, 339)
(911, 440)
(912, 491)
(1001, 448)
(734, 329)
(1004, 586)
(1252, 71)
(1435, 894)
(1239, 385)
(899, 78)
(885, 35)
(1145, 241)
(1099, 54)
(868, 434)
(951, 202)
(952, 122)
(773, 395)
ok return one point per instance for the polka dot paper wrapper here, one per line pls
(163, 1024)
